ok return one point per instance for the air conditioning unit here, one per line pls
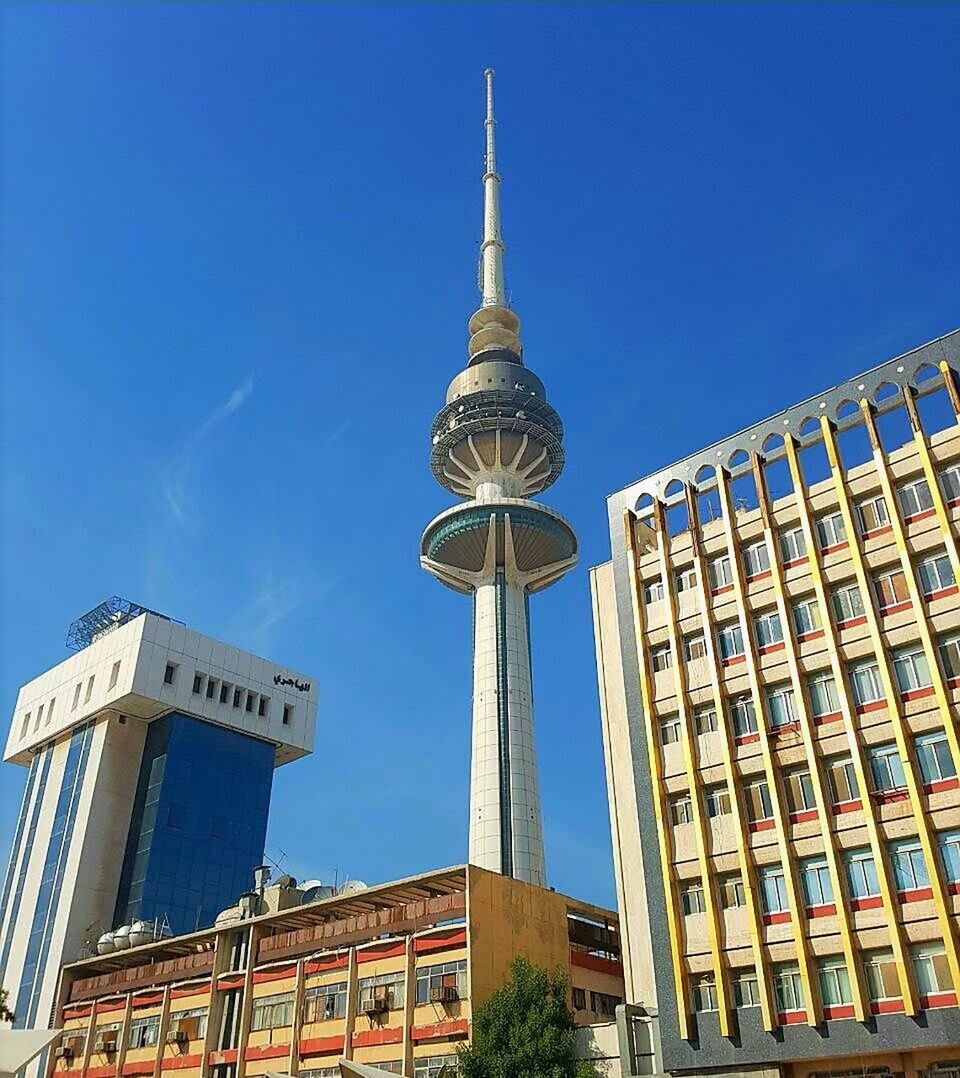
(376, 1005)
(106, 1044)
(446, 993)
(176, 1036)
(65, 1051)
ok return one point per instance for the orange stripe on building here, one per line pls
(149, 1000)
(390, 950)
(440, 942)
(141, 1066)
(320, 1046)
(370, 1038)
(275, 974)
(455, 1028)
(181, 1063)
(319, 965)
(597, 963)
(226, 983)
(266, 1051)
(190, 990)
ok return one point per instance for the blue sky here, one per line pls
(239, 248)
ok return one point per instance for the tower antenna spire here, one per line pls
(491, 250)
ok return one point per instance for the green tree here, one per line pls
(525, 1030)
(6, 1015)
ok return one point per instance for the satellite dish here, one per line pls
(314, 891)
(351, 887)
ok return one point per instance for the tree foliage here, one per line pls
(525, 1030)
(6, 1015)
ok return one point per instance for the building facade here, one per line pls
(497, 442)
(150, 756)
(778, 643)
(386, 976)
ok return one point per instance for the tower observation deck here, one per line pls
(497, 442)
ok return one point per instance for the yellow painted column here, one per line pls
(691, 764)
(799, 685)
(950, 384)
(748, 869)
(933, 482)
(811, 986)
(162, 1031)
(857, 752)
(293, 1062)
(661, 806)
(913, 588)
(900, 732)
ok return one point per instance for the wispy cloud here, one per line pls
(175, 481)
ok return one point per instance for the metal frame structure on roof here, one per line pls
(104, 618)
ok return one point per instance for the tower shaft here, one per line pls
(506, 833)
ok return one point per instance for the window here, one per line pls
(932, 969)
(224, 692)
(212, 687)
(26, 725)
(781, 704)
(731, 893)
(705, 720)
(653, 591)
(444, 975)
(237, 697)
(883, 981)
(719, 573)
(578, 997)
(914, 498)
(661, 658)
(830, 531)
(681, 810)
(746, 991)
(788, 988)
(806, 617)
(263, 705)
(950, 481)
(388, 986)
(694, 647)
(76, 696)
(334, 1072)
(744, 716)
(325, 1002)
(799, 787)
(114, 675)
(949, 843)
(909, 868)
(251, 696)
(604, 1003)
(192, 1022)
(758, 801)
(36, 724)
(89, 692)
(823, 695)
(730, 639)
(911, 669)
(872, 514)
(686, 579)
(433, 1066)
(197, 683)
(287, 714)
(886, 768)
(950, 657)
(670, 730)
(891, 588)
(847, 604)
(865, 679)
(935, 574)
(843, 780)
(817, 885)
(861, 873)
(834, 982)
(692, 900)
(704, 993)
(756, 560)
(933, 755)
(144, 1032)
(169, 673)
(717, 799)
(768, 629)
(793, 546)
(270, 1012)
(53, 701)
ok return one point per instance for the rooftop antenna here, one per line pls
(491, 250)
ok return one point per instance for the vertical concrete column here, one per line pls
(293, 1062)
(162, 1031)
(352, 1003)
(124, 1037)
(485, 763)
(409, 1002)
(246, 1008)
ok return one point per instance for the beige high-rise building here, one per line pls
(778, 641)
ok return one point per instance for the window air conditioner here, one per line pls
(376, 1005)
(446, 993)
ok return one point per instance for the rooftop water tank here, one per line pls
(121, 938)
(105, 943)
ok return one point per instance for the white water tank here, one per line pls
(121, 938)
(141, 932)
(351, 887)
(105, 944)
